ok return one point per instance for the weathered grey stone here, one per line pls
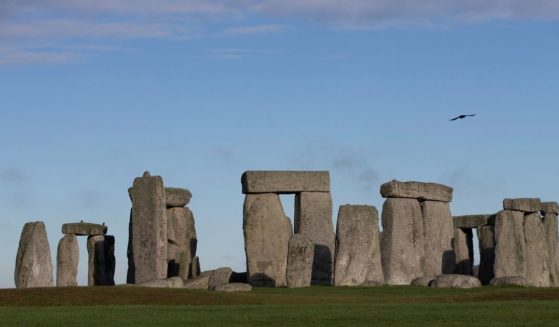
(439, 231)
(509, 281)
(423, 281)
(177, 197)
(455, 281)
(67, 258)
(33, 261)
(182, 241)
(199, 282)
(101, 260)
(524, 204)
(510, 246)
(416, 190)
(486, 239)
(195, 268)
(233, 287)
(84, 229)
(473, 221)
(551, 237)
(550, 208)
(149, 229)
(358, 258)
(219, 277)
(402, 243)
(173, 282)
(299, 261)
(285, 181)
(313, 218)
(464, 251)
(266, 232)
(537, 270)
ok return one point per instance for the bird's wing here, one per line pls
(455, 118)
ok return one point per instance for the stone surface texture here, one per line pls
(101, 260)
(182, 241)
(266, 233)
(416, 190)
(299, 261)
(358, 258)
(199, 282)
(67, 259)
(84, 229)
(313, 218)
(464, 251)
(510, 245)
(486, 240)
(281, 182)
(473, 221)
(219, 277)
(233, 288)
(552, 241)
(173, 282)
(527, 205)
(438, 232)
(177, 197)
(509, 281)
(148, 229)
(455, 281)
(423, 281)
(33, 260)
(537, 270)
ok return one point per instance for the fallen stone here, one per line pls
(550, 207)
(84, 229)
(537, 270)
(402, 243)
(300, 256)
(551, 238)
(182, 241)
(416, 190)
(438, 232)
(219, 277)
(177, 197)
(101, 260)
(199, 282)
(313, 218)
(473, 221)
(358, 258)
(233, 287)
(509, 281)
(33, 261)
(486, 240)
(527, 205)
(423, 281)
(464, 251)
(67, 258)
(281, 182)
(510, 245)
(149, 229)
(266, 233)
(455, 281)
(173, 282)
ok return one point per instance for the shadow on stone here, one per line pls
(322, 266)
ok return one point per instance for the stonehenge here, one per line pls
(33, 261)
(300, 256)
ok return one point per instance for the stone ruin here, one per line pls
(33, 262)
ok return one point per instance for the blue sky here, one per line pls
(94, 93)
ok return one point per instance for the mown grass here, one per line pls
(324, 306)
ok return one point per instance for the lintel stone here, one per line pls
(473, 221)
(551, 208)
(416, 190)
(285, 182)
(84, 229)
(523, 204)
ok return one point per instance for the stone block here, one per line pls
(509, 281)
(219, 277)
(101, 260)
(423, 281)
(282, 182)
(473, 221)
(182, 241)
(173, 282)
(416, 190)
(537, 270)
(455, 281)
(199, 282)
(33, 261)
(67, 259)
(438, 232)
(358, 258)
(527, 205)
(313, 218)
(84, 229)
(486, 240)
(177, 197)
(550, 208)
(464, 251)
(552, 244)
(233, 288)
(300, 257)
(510, 245)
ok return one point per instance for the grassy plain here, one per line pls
(315, 306)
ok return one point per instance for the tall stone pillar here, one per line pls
(510, 245)
(67, 259)
(33, 261)
(101, 261)
(486, 238)
(439, 231)
(463, 248)
(537, 270)
(550, 211)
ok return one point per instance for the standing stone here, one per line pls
(358, 258)
(33, 261)
(464, 251)
(510, 246)
(402, 243)
(313, 218)
(299, 261)
(149, 228)
(101, 260)
(550, 210)
(194, 269)
(486, 238)
(67, 258)
(266, 232)
(537, 270)
(438, 229)
(182, 242)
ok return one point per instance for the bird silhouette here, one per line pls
(461, 117)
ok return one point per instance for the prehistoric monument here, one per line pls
(421, 243)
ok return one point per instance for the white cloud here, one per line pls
(255, 30)
(21, 57)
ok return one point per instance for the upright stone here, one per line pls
(550, 211)
(299, 261)
(101, 260)
(182, 241)
(67, 258)
(463, 248)
(358, 258)
(402, 243)
(313, 218)
(486, 238)
(537, 270)
(510, 246)
(33, 261)
(149, 228)
(266, 232)
(438, 229)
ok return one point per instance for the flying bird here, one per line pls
(461, 117)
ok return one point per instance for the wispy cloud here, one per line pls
(255, 30)
(25, 57)
(12, 175)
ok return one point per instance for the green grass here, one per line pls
(324, 306)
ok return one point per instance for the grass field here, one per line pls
(324, 306)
